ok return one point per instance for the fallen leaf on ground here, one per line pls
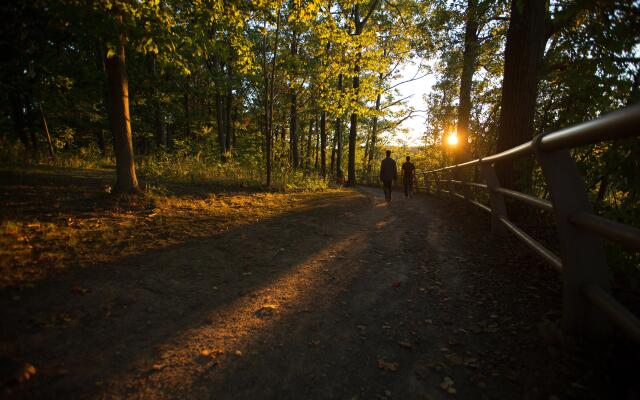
(266, 311)
(447, 385)
(389, 366)
(158, 367)
(406, 344)
(454, 359)
(26, 372)
(80, 290)
(238, 353)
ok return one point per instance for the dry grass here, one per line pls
(44, 230)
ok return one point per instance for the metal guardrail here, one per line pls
(588, 307)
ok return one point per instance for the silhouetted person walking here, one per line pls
(408, 175)
(388, 174)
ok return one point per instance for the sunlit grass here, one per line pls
(31, 246)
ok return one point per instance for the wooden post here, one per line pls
(498, 207)
(583, 259)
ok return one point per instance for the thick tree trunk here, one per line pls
(120, 122)
(526, 39)
(323, 144)
(466, 80)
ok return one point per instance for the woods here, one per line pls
(191, 202)
(259, 90)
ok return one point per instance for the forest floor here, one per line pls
(247, 295)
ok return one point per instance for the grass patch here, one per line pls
(55, 218)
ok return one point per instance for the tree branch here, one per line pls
(371, 10)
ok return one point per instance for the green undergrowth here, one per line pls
(166, 168)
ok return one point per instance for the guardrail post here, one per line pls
(498, 208)
(583, 258)
(437, 182)
(452, 186)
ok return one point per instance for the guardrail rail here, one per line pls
(588, 306)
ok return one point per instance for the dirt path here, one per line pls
(351, 299)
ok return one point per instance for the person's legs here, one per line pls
(387, 190)
(390, 183)
(406, 189)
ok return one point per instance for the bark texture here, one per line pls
(119, 119)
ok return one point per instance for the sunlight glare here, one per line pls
(452, 140)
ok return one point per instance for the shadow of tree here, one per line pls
(81, 328)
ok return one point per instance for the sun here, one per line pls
(452, 140)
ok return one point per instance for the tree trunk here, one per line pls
(374, 132)
(187, 113)
(119, 118)
(334, 143)
(524, 50)
(159, 125)
(316, 150)
(45, 129)
(100, 60)
(17, 115)
(30, 127)
(293, 130)
(359, 25)
(270, 95)
(466, 80)
(234, 118)
(365, 156)
(228, 123)
(307, 164)
(293, 112)
(323, 144)
(339, 174)
(222, 140)
(353, 131)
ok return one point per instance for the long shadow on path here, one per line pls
(96, 330)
